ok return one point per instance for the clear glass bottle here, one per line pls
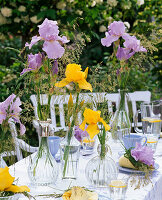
(121, 125)
(43, 169)
(101, 169)
(69, 150)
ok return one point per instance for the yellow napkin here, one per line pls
(78, 193)
(124, 162)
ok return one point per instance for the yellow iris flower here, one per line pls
(74, 74)
(91, 118)
(6, 182)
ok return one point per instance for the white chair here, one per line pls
(138, 96)
(19, 145)
(93, 98)
(58, 102)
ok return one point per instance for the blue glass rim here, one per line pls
(54, 138)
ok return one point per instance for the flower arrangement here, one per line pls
(73, 74)
(9, 112)
(92, 118)
(141, 157)
(125, 47)
(115, 35)
(45, 67)
(7, 186)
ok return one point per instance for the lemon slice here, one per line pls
(152, 141)
(88, 141)
(117, 184)
(155, 120)
(151, 120)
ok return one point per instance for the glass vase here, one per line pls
(101, 169)
(2, 162)
(121, 125)
(43, 169)
(69, 149)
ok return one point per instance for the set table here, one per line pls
(153, 191)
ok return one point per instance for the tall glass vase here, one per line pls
(70, 149)
(121, 125)
(2, 163)
(43, 169)
(101, 169)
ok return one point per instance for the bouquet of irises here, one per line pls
(118, 36)
(44, 65)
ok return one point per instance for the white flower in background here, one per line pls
(102, 28)
(6, 12)
(17, 20)
(3, 20)
(99, 1)
(110, 19)
(61, 5)
(93, 3)
(127, 5)
(127, 24)
(79, 12)
(35, 20)
(22, 9)
(112, 3)
(140, 2)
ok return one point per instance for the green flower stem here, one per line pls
(42, 149)
(70, 132)
(39, 104)
(122, 100)
(102, 139)
(43, 114)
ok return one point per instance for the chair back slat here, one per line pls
(58, 104)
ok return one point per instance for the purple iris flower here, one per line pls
(34, 63)
(132, 45)
(79, 134)
(143, 154)
(49, 31)
(10, 110)
(55, 67)
(124, 54)
(115, 31)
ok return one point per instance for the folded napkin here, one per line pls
(124, 162)
(78, 193)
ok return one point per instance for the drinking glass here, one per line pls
(151, 122)
(118, 188)
(88, 145)
(54, 145)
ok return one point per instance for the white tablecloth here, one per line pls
(153, 191)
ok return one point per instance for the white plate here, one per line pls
(128, 170)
